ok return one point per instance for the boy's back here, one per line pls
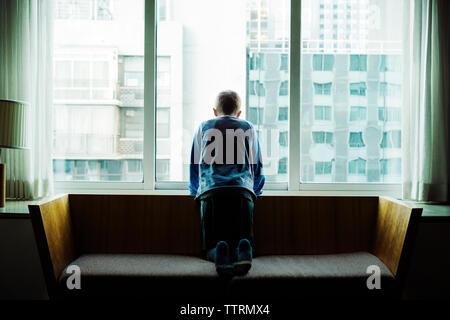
(226, 176)
(226, 153)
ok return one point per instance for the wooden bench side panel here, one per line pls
(395, 230)
(53, 231)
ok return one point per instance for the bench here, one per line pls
(150, 246)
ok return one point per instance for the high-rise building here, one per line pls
(351, 86)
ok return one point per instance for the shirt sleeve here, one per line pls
(259, 179)
(194, 163)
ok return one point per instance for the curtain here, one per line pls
(426, 120)
(26, 49)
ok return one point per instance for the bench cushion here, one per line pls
(306, 276)
(270, 276)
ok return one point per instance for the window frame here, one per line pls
(294, 186)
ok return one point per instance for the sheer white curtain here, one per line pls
(426, 118)
(26, 48)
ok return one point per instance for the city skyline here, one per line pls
(262, 53)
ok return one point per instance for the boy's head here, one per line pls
(228, 103)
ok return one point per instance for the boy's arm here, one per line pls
(259, 179)
(195, 160)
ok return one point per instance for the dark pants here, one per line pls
(226, 215)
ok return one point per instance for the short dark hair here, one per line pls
(228, 102)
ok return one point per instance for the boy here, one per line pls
(226, 176)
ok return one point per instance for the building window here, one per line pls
(358, 113)
(162, 169)
(391, 167)
(322, 88)
(256, 115)
(110, 170)
(322, 137)
(283, 138)
(257, 88)
(322, 113)
(356, 140)
(283, 113)
(358, 62)
(357, 167)
(163, 123)
(389, 90)
(284, 88)
(282, 166)
(358, 89)
(257, 61)
(391, 139)
(103, 9)
(387, 114)
(323, 168)
(390, 63)
(284, 62)
(323, 62)
(84, 9)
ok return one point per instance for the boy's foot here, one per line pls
(244, 257)
(222, 260)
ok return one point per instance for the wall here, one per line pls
(21, 275)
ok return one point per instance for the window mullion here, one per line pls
(294, 97)
(149, 94)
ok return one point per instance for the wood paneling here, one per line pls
(53, 230)
(396, 223)
(314, 225)
(136, 224)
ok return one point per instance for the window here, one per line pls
(283, 140)
(257, 61)
(322, 113)
(349, 93)
(391, 63)
(283, 113)
(323, 168)
(391, 139)
(255, 115)
(323, 62)
(284, 62)
(357, 167)
(322, 89)
(387, 114)
(257, 88)
(391, 167)
(358, 89)
(84, 9)
(284, 88)
(203, 59)
(323, 137)
(356, 140)
(103, 10)
(389, 90)
(163, 123)
(358, 113)
(98, 91)
(358, 62)
(282, 166)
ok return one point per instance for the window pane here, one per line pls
(352, 62)
(206, 52)
(98, 90)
